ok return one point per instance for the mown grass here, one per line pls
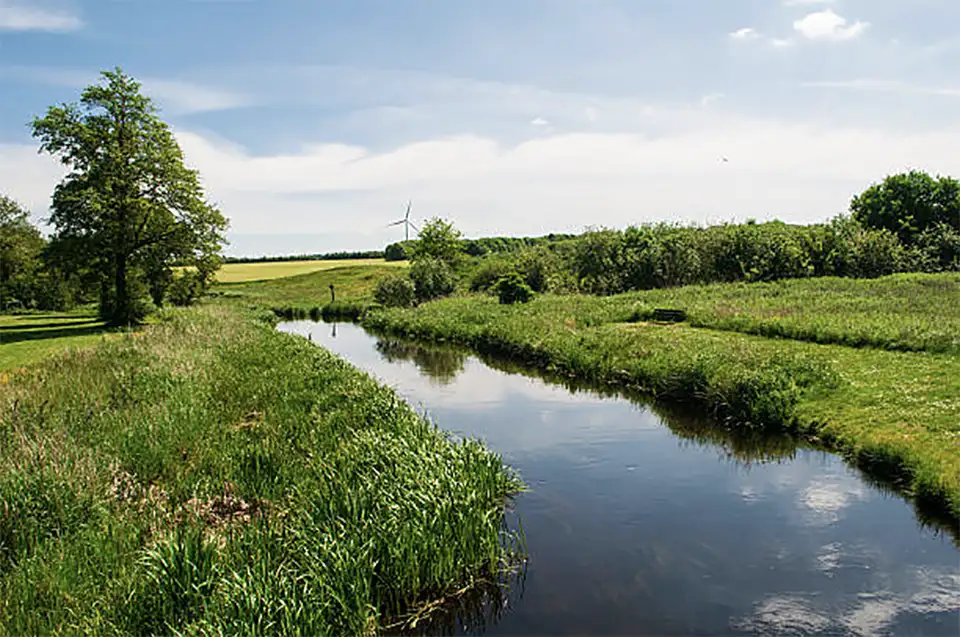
(907, 312)
(244, 272)
(213, 476)
(29, 338)
(353, 286)
(897, 413)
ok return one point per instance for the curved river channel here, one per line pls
(644, 522)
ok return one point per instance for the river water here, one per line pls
(644, 522)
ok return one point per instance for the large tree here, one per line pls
(909, 204)
(128, 208)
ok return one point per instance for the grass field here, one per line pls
(243, 272)
(353, 284)
(210, 473)
(30, 338)
(899, 411)
(909, 312)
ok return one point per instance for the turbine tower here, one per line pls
(406, 223)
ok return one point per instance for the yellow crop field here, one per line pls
(241, 272)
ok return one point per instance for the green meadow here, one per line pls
(30, 338)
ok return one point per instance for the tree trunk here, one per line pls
(121, 303)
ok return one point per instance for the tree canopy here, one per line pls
(440, 240)
(909, 204)
(129, 208)
(21, 246)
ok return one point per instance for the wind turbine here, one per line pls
(406, 222)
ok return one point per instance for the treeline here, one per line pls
(326, 256)
(483, 246)
(29, 277)
(908, 223)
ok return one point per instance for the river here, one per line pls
(643, 521)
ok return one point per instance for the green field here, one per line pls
(909, 312)
(30, 338)
(352, 283)
(899, 411)
(242, 272)
(210, 472)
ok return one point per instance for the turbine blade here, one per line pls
(396, 223)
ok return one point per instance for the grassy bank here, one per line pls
(210, 474)
(30, 338)
(897, 413)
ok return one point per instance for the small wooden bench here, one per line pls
(669, 316)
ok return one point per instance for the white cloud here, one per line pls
(539, 121)
(746, 33)
(799, 3)
(28, 177)
(176, 97)
(797, 172)
(16, 17)
(184, 97)
(828, 25)
(781, 43)
(711, 98)
(886, 86)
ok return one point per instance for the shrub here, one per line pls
(863, 252)
(395, 291)
(491, 270)
(539, 267)
(185, 289)
(939, 248)
(432, 279)
(397, 251)
(513, 289)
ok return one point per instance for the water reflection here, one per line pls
(744, 447)
(441, 364)
(644, 519)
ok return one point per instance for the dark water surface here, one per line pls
(642, 522)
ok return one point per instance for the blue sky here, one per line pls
(312, 122)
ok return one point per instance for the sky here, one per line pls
(312, 123)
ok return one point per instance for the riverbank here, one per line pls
(210, 472)
(895, 413)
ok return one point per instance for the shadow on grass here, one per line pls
(33, 334)
(40, 326)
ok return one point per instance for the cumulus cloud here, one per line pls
(20, 17)
(798, 172)
(828, 25)
(746, 33)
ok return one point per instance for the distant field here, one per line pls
(352, 283)
(29, 338)
(242, 272)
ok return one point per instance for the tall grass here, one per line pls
(212, 476)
